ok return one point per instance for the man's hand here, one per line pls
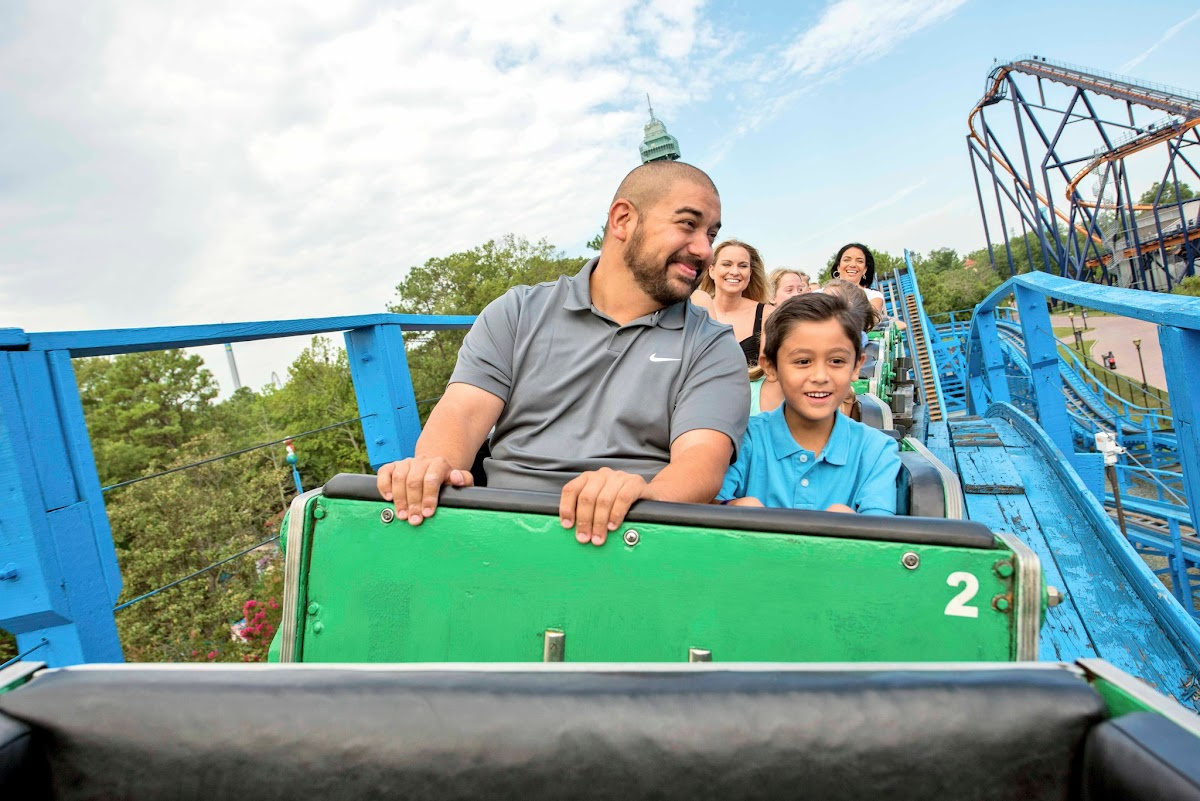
(413, 485)
(596, 502)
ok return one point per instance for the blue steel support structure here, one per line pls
(1099, 120)
(1178, 318)
(59, 577)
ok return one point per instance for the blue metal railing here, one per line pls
(1178, 320)
(54, 530)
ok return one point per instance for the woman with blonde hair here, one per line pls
(734, 291)
(788, 282)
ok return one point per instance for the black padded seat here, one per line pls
(920, 491)
(209, 733)
(15, 761)
(1141, 755)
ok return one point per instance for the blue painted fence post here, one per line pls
(1047, 384)
(383, 387)
(1181, 354)
(59, 570)
(991, 366)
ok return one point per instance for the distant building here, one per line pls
(1138, 257)
(657, 144)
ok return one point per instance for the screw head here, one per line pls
(318, 627)
(631, 537)
(910, 560)
(1054, 596)
(1004, 568)
(1001, 603)
(319, 512)
(387, 515)
(314, 607)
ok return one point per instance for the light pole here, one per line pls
(1137, 343)
(1084, 313)
(1075, 332)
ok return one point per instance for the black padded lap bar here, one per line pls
(614, 735)
(921, 486)
(919, 531)
(1141, 756)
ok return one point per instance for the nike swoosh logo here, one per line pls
(654, 357)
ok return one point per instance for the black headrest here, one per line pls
(214, 733)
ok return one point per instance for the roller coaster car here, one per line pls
(493, 577)
(685, 732)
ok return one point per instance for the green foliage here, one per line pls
(8, 646)
(174, 525)
(153, 411)
(1168, 194)
(463, 283)
(1188, 286)
(141, 408)
(596, 241)
(318, 393)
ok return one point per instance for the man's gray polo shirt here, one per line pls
(581, 392)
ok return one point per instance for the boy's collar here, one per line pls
(836, 450)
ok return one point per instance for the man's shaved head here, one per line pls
(646, 185)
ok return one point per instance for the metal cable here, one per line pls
(21, 656)
(233, 453)
(193, 575)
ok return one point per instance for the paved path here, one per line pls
(1117, 334)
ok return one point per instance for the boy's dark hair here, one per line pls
(810, 308)
(856, 299)
(869, 278)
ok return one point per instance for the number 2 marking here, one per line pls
(958, 604)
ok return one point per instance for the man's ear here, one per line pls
(622, 219)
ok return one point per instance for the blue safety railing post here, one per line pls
(993, 360)
(384, 389)
(1181, 354)
(59, 576)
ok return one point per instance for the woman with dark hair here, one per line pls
(734, 291)
(855, 264)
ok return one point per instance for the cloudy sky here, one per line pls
(166, 163)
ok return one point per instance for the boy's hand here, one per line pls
(747, 501)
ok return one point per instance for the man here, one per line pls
(607, 386)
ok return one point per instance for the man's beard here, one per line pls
(654, 279)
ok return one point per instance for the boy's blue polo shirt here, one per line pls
(858, 467)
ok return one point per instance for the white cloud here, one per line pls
(847, 34)
(236, 161)
(852, 32)
(1166, 37)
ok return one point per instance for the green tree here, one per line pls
(320, 392)
(1168, 194)
(169, 527)
(596, 241)
(463, 283)
(142, 407)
